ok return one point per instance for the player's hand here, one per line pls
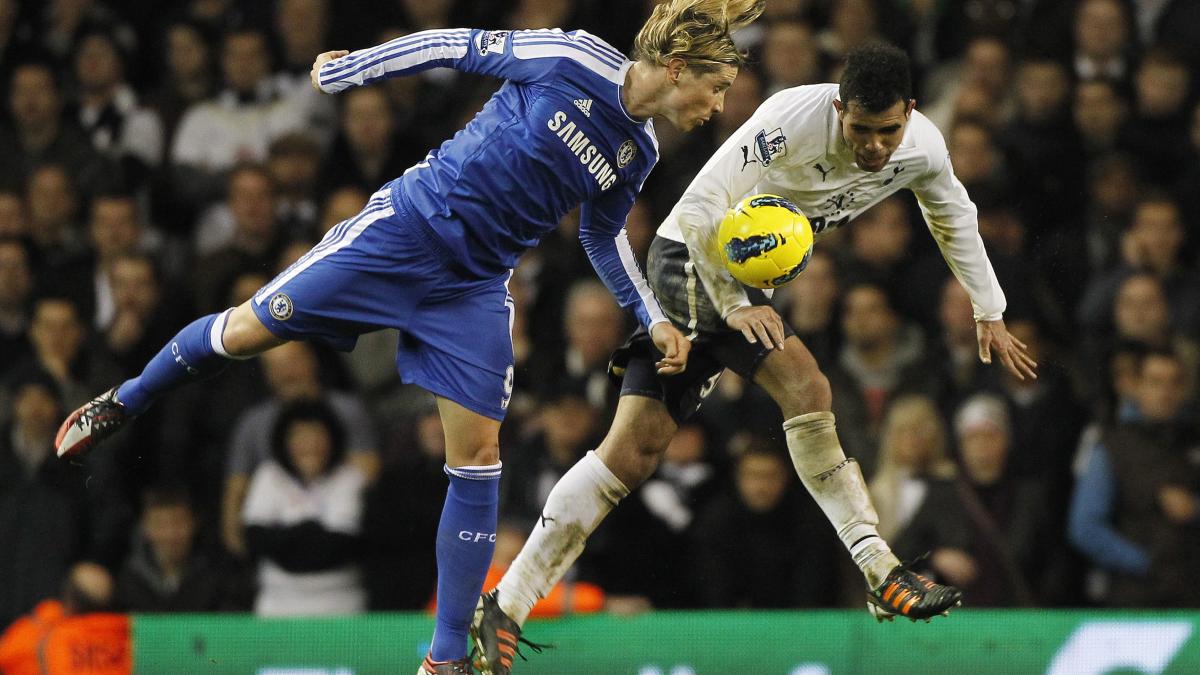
(1013, 353)
(758, 323)
(674, 346)
(322, 59)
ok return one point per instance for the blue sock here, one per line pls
(189, 357)
(466, 538)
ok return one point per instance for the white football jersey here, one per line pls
(792, 146)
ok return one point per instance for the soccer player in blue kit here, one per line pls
(432, 251)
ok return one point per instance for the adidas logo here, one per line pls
(585, 105)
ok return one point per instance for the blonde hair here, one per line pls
(885, 486)
(697, 31)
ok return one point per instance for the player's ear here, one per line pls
(675, 69)
(912, 105)
(837, 105)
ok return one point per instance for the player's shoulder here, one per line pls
(579, 51)
(806, 97)
(806, 109)
(924, 135)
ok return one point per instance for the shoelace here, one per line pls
(92, 412)
(538, 648)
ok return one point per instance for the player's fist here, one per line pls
(673, 345)
(321, 60)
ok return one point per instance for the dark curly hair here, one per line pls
(307, 411)
(876, 76)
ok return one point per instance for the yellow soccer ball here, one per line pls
(765, 241)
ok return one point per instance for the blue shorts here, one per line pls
(385, 268)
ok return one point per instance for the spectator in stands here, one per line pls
(915, 495)
(368, 150)
(1135, 508)
(655, 531)
(567, 430)
(1047, 418)
(790, 56)
(762, 546)
(851, 23)
(238, 124)
(685, 480)
(76, 634)
(167, 570)
(978, 161)
(14, 221)
(58, 335)
(141, 322)
(881, 252)
(1113, 191)
(878, 345)
(594, 326)
(1153, 243)
(302, 31)
(1100, 111)
(1103, 41)
(187, 78)
(294, 160)
(950, 371)
(986, 67)
(40, 134)
(43, 521)
(114, 229)
(1046, 156)
(109, 112)
(53, 201)
(810, 304)
(1158, 128)
(303, 518)
(1011, 544)
(341, 204)
(249, 239)
(535, 14)
(1183, 189)
(16, 289)
(292, 375)
(401, 507)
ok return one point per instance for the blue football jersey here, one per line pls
(555, 136)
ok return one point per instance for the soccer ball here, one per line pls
(765, 241)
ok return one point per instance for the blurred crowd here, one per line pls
(162, 161)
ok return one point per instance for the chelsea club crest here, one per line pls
(626, 153)
(280, 306)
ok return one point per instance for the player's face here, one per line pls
(696, 96)
(873, 137)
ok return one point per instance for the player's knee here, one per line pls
(487, 454)
(633, 456)
(244, 335)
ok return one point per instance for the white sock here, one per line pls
(576, 505)
(837, 485)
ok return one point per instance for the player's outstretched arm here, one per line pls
(994, 335)
(321, 60)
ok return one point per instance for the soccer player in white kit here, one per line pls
(835, 150)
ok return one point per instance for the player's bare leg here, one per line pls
(466, 532)
(202, 349)
(628, 455)
(792, 378)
